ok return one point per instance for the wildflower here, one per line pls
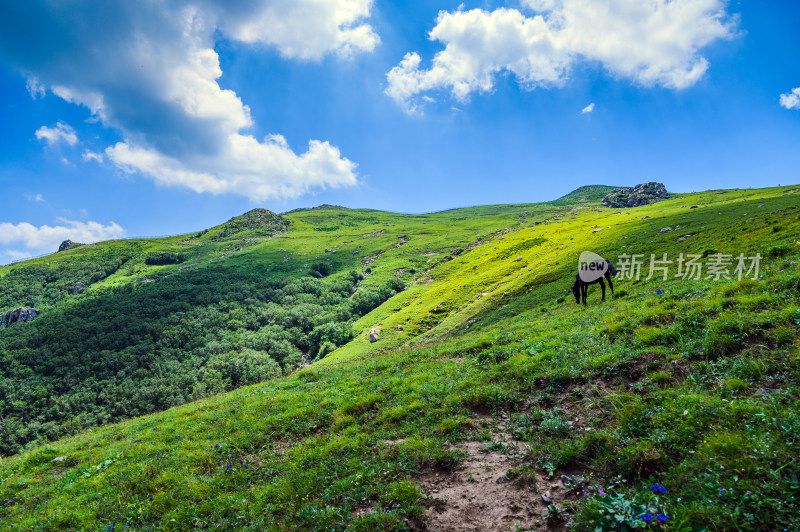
(601, 492)
(749, 492)
(647, 517)
(659, 292)
(150, 498)
(216, 446)
(661, 517)
(657, 488)
(246, 466)
(228, 466)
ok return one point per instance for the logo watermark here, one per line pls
(689, 266)
(716, 266)
(591, 267)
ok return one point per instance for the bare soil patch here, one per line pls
(483, 494)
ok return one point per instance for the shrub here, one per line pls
(779, 250)
(782, 336)
(320, 269)
(164, 257)
(325, 349)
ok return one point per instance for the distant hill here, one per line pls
(585, 194)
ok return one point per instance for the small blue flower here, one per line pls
(662, 517)
(110, 527)
(216, 446)
(659, 291)
(647, 517)
(657, 488)
(228, 466)
(150, 498)
(246, 466)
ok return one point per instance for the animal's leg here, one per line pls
(603, 287)
(585, 292)
(610, 284)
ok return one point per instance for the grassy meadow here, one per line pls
(673, 405)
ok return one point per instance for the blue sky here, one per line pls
(145, 118)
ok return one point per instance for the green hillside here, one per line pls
(490, 399)
(585, 194)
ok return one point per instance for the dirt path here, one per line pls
(481, 495)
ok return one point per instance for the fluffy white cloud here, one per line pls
(149, 69)
(791, 100)
(651, 42)
(62, 132)
(588, 109)
(46, 238)
(307, 29)
(245, 166)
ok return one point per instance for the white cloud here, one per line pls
(245, 166)
(588, 109)
(38, 197)
(653, 42)
(47, 238)
(62, 132)
(149, 70)
(91, 156)
(36, 89)
(791, 100)
(306, 29)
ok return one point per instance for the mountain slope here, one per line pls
(687, 384)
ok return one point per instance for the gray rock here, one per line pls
(68, 244)
(374, 333)
(547, 498)
(665, 229)
(78, 288)
(20, 315)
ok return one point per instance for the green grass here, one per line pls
(690, 385)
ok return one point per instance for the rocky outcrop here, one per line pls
(68, 244)
(374, 334)
(258, 222)
(20, 315)
(78, 288)
(641, 194)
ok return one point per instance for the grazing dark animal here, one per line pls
(581, 288)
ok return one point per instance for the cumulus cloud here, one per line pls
(654, 42)
(588, 109)
(791, 100)
(46, 238)
(149, 69)
(62, 132)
